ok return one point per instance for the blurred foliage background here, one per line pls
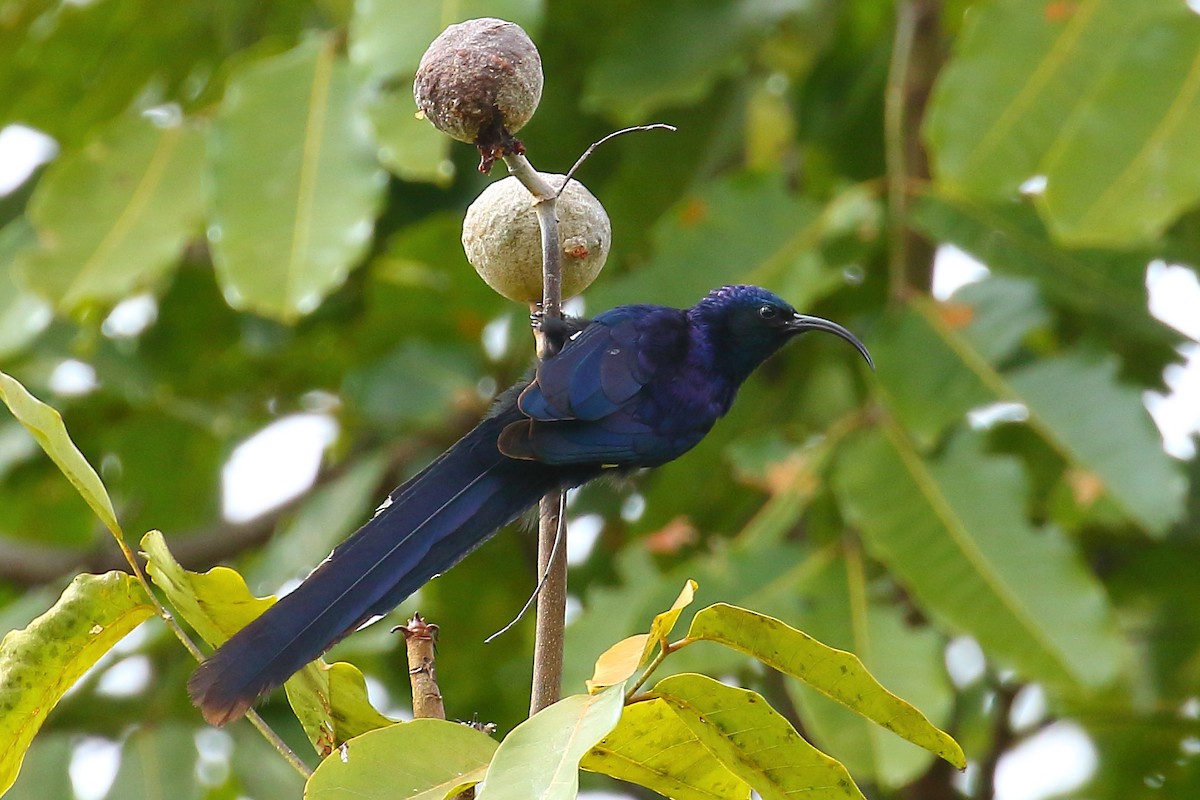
(245, 223)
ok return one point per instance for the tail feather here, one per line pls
(428, 525)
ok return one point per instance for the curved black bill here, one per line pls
(804, 322)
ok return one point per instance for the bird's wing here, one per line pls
(594, 375)
(585, 405)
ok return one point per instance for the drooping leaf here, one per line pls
(954, 532)
(330, 700)
(1009, 238)
(835, 673)
(295, 186)
(1081, 407)
(841, 608)
(1075, 403)
(47, 427)
(426, 759)
(40, 662)
(1100, 101)
(113, 217)
(754, 741)
(652, 747)
(539, 759)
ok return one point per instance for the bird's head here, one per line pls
(749, 323)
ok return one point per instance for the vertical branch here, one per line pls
(916, 57)
(552, 600)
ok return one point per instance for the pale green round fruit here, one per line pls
(503, 242)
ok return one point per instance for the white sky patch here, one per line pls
(22, 150)
(954, 268)
(965, 661)
(126, 678)
(1053, 761)
(130, 317)
(275, 465)
(1028, 708)
(1034, 186)
(1175, 296)
(495, 337)
(986, 417)
(93, 768)
(73, 378)
(582, 533)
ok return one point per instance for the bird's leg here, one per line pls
(557, 331)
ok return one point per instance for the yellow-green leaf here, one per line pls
(40, 662)
(47, 427)
(426, 759)
(652, 747)
(618, 662)
(835, 673)
(664, 623)
(754, 741)
(540, 759)
(330, 700)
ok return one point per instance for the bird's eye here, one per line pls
(768, 312)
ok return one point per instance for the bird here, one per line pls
(635, 387)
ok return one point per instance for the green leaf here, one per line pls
(39, 663)
(45, 770)
(835, 673)
(641, 71)
(739, 228)
(295, 187)
(754, 741)
(47, 427)
(330, 700)
(113, 217)
(23, 315)
(539, 759)
(841, 608)
(157, 761)
(1081, 407)
(620, 661)
(910, 357)
(955, 533)
(1009, 238)
(1100, 99)
(1075, 403)
(426, 759)
(652, 747)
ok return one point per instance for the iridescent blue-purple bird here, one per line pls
(637, 386)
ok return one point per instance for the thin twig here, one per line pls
(541, 581)
(586, 153)
(552, 599)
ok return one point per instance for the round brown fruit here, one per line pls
(504, 244)
(480, 81)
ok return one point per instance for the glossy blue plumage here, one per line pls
(638, 386)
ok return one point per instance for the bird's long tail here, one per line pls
(424, 528)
